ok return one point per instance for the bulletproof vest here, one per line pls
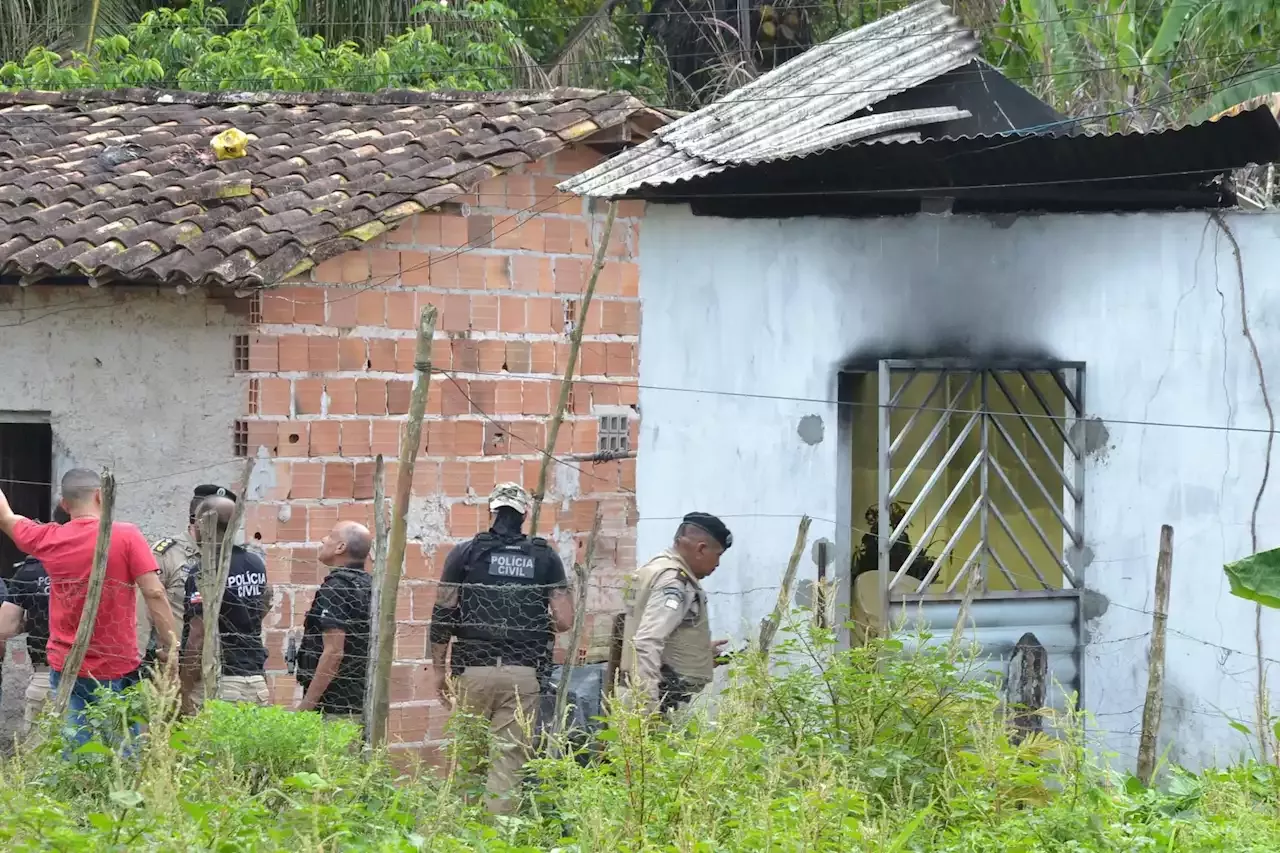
(687, 651)
(503, 598)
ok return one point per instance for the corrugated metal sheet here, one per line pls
(996, 625)
(799, 107)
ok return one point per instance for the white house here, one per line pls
(880, 275)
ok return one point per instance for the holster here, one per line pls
(673, 690)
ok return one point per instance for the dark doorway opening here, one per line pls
(26, 474)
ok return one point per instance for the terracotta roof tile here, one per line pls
(123, 185)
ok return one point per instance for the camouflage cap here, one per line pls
(512, 495)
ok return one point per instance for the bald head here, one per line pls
(348, 544)
(223, 509)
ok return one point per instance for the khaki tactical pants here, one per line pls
(506, 696)
(244, 688)
(36, 697)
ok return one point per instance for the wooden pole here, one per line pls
(378, 705)
(566, 384)
(92, 597)
(583, 572)
(769, 627)
(1154, 706)
(215, 566)
(386, 630)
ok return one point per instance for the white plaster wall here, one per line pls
(765, 310)
(139, 381)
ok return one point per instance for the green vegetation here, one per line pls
(868, 749)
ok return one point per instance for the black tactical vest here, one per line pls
(504, 600)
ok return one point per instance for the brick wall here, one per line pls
(330, 368)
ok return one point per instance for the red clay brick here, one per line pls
(277, 307)
(536, 398)
(574, 159)
(497, 272)
(352, 354)
(453, 231)
(293, 352)
(558, 236)
(294, 528)
(620, 359)
(382, 354)
(628, 394)
(371, 307)
(324, 438)
(493, 354)
(517, 356)
(260, 523)
(361, 513)
(627, 474)
(401, 313)
(507, 398)
(264, 354)
(348, 268)
(415, 269)
(470, 272)
(570, 275)
(279, 490)
(411, 644)
(496, 440)
(426, 477)
(484, 313)
(398, 393)
(464, 520)
(630, 283)
(481, 477)
(406, 352)
(292, 438)
(343, 307)
(542, 357)
(274, 397)
(584, 438)
(384, 265)
(342, 396)
(492, 193)
(386, 438)
(308, 304)
(532, 274)
(339, 479)
(455, 312)
(454, 400)
(545, 316)
(511, 311)
(307, 396)
(482, 397)
(371, 397)
(479, 229)
(322, 354)
(320, 520)
(582, 240)
(468, 438)
(529, 436)
(416, 566)
(591, 359)
(307, 478)
(444, 271)
(453, 478)
(355, 438)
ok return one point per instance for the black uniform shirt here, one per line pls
(29, 589)
(343, 602)
(243, 606)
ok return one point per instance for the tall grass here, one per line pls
(823, 750)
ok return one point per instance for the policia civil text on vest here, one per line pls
(667, 653)
(502, 596)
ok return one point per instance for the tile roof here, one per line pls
(802, 106)
(123, 186)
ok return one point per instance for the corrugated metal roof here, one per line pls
(801, 106)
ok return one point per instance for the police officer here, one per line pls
(667, 652)
(239, 624)
(502, 595)
(173, 558)
(27, 609)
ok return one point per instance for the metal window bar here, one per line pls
(1002, 421)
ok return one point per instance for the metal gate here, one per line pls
(984, 465)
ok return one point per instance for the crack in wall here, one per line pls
(1221, 222)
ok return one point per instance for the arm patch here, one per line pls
(673, 598)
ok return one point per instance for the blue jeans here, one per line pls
(84, 694)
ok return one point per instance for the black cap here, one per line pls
(214, 492)
(711, 525)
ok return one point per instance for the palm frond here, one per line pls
(61, 25)
(588, 53)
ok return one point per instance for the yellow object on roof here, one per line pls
(230, 144)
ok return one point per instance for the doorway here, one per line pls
(26, 474)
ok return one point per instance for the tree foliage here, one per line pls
(470, 46)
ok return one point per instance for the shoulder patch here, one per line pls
(163, 545)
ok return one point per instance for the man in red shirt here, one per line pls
(66, 550)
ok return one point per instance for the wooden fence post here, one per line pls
(583, 572)
(386, 630)
(213, 585)
(566, 384)
(1154, 706)
(769, 627)
(378, 697)
(92, 597)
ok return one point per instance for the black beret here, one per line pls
(711, 525)
(214, 492)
